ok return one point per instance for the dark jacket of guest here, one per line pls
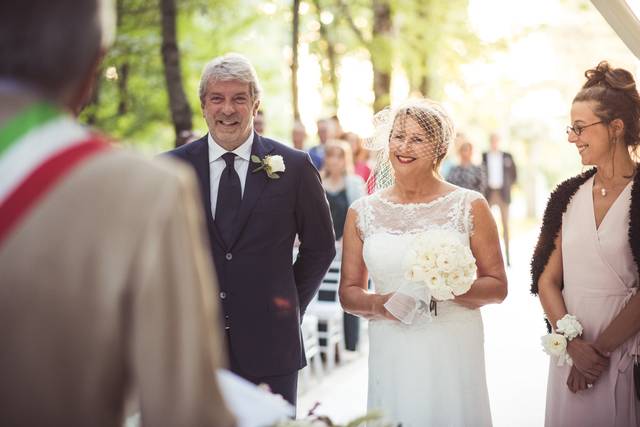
(509, 174)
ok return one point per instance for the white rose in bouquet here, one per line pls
(445, 260)
(415, 274)
(459, 282)
(442, 262)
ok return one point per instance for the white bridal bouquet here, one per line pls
(442, 263)
(437, 266)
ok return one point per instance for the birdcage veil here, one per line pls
(417, 128)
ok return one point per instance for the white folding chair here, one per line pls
(311, 341)
(326, 307)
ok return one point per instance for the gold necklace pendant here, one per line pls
(603, 191)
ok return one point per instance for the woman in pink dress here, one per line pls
(587, 260)
(360, 155)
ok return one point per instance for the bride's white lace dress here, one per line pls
(429, 373)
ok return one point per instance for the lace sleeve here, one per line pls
(362, 221)
(470, 197)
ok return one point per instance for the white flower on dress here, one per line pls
(569, 327)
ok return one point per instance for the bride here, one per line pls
(427, 369)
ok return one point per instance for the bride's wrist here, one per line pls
(377, 305)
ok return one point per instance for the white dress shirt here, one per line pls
(495, 169)
(217, 165)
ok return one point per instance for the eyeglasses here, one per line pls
(579, 129)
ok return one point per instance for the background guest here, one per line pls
(343, 187)
(466, 174)
(500, 170)
(259, 122)
(336, 127)
(325, 132)
(298, 135)
(360, 155)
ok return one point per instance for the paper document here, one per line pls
(252, 406)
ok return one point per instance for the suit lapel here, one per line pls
(199, 152)
(253, 187)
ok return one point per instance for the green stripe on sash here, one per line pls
(33, 116)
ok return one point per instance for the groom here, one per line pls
(258, 195)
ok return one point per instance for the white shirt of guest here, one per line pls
(495, 169)
(217, 165)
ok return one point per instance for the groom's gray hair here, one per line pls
(231, 66)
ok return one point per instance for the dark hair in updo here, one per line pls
(614, 90)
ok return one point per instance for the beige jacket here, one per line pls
(106, 293)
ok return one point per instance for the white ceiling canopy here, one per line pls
(620, 15)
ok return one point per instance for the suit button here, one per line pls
(226, 317)
(223, 295)
(226, 328)
(228, 256)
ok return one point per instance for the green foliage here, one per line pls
(429, 39)
(434, 39)
(135, 108)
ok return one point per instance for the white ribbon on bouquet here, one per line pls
(411, 300)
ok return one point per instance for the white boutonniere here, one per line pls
(270, 164)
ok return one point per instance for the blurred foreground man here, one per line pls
(105, 281)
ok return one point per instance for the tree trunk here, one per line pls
(180, 109)
(332, 76)
(425, 86)
(294, 60)
(381, 55)
(123, 78)
(92, 104)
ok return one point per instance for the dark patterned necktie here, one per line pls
(229, 198)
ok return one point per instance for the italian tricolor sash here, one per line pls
(38, 147)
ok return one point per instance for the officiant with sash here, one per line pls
(105, 281)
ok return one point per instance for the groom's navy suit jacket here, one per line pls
(262, 291)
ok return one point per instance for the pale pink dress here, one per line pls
(600, 277)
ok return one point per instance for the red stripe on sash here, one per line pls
(42, 179)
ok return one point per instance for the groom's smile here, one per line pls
(228, 108)
(227, 124)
